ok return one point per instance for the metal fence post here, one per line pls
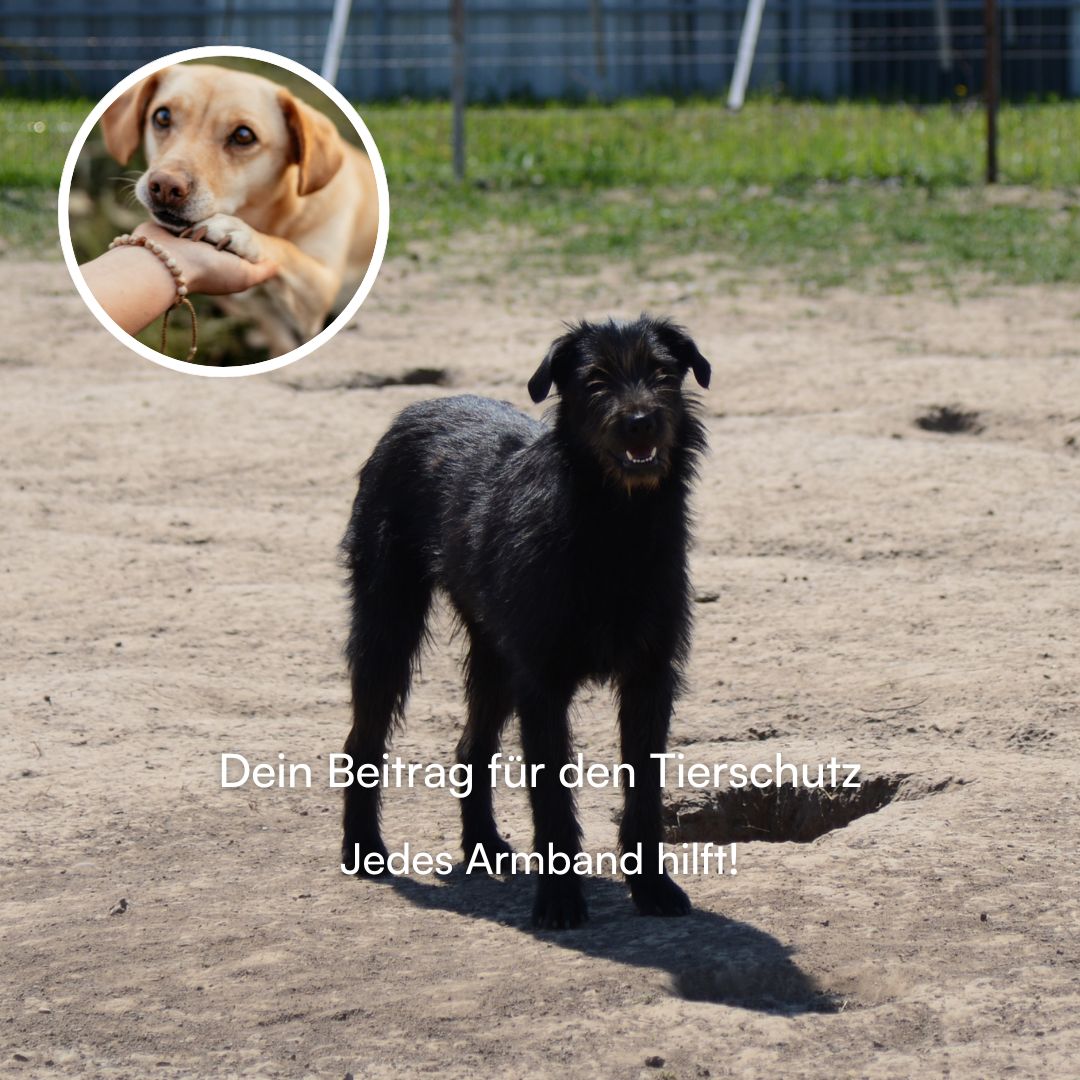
(745, 58)
(335, 40)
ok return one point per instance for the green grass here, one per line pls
(34, 140)
(853, 234)
(656, 142)
(28, 220)
(849, 193)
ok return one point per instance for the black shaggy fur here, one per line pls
(562, 549)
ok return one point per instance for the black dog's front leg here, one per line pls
(645, 701)
(545, 736)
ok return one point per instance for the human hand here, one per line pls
(206, 269)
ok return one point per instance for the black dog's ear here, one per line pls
(681, 346)
(561, 359)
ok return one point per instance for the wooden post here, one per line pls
(457, 85)
(597, 12)
(991, 89)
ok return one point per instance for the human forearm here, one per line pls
(132, 284)
(135, 286)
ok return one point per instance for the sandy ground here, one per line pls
(901, 599)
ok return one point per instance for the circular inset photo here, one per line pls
(223, 211)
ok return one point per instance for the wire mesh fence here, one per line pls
(547, 58)
(923, 50)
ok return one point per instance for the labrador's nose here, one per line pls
(169, 189)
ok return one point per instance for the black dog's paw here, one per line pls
(364, 859)
(659, 895)
(559, 904)
(482, 856)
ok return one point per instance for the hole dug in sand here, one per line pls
(785, 813)
(951, 420)
(746, 967)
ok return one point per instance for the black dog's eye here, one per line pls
(162, 118)
(596, 382)
(243, 136)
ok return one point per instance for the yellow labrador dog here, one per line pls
(238, 161)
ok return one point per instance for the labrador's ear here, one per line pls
(315, 145)
(683, 350)
(122, 124)
(563, 356)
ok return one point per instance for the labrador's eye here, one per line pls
(242, 136)
(162, 118)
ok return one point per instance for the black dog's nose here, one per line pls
(639, 426)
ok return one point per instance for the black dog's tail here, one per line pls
(391, 595)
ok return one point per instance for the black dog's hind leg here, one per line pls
(645, 701)
(545, 737)
(391, 597)
(487, 693)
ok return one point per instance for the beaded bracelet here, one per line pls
(181, 287)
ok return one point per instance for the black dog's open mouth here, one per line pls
(171, 221)
(640, 457)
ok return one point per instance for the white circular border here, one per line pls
(202, 53)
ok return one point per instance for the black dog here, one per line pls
(563, 551)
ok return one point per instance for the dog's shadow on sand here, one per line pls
(708, 957)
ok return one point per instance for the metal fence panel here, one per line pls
(549, 49)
